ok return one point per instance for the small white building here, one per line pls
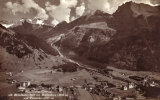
(60, 89)
(125, 88)
(25, 84)
(131, 85)
(28, 83)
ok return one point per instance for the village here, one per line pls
(103, 86)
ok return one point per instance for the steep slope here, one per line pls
(18, 52)
(130, 40)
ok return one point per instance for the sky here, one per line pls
(56, 11)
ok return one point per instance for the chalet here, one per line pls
(131, 85)
(28, 83)
(124, 88)
(24, 84)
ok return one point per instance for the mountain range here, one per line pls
(127, 39)
(130, 39)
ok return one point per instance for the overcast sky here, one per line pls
(55, 11)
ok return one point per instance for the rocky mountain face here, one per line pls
(127, 39)
(45, 31)
(87, 36)
(20, 52)
(28, 27)
(64, 27)
(132, 17)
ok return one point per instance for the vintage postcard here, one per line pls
(79, 49)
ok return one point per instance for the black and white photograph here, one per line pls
(79, 49)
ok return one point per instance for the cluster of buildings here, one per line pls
(130, 85)
(23, 85)
(149, 83)
(102, 88)
(97, 88)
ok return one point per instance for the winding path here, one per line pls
(70, 60)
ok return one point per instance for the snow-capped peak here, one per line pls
(22, 20)
(30, 20)
(40, 22)
(7, 25)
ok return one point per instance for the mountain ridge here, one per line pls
(134, 44)
(126, 39)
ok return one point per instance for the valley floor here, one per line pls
(82, 84)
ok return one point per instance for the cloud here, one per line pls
(62, 11)
(54, 22)
(80, 10)
(68, 3)
(65, 10)
(155, 2)
(25, 7)
(110, 6)
(102, 5)
(40, 22)
(7, 25)
(73, 18)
